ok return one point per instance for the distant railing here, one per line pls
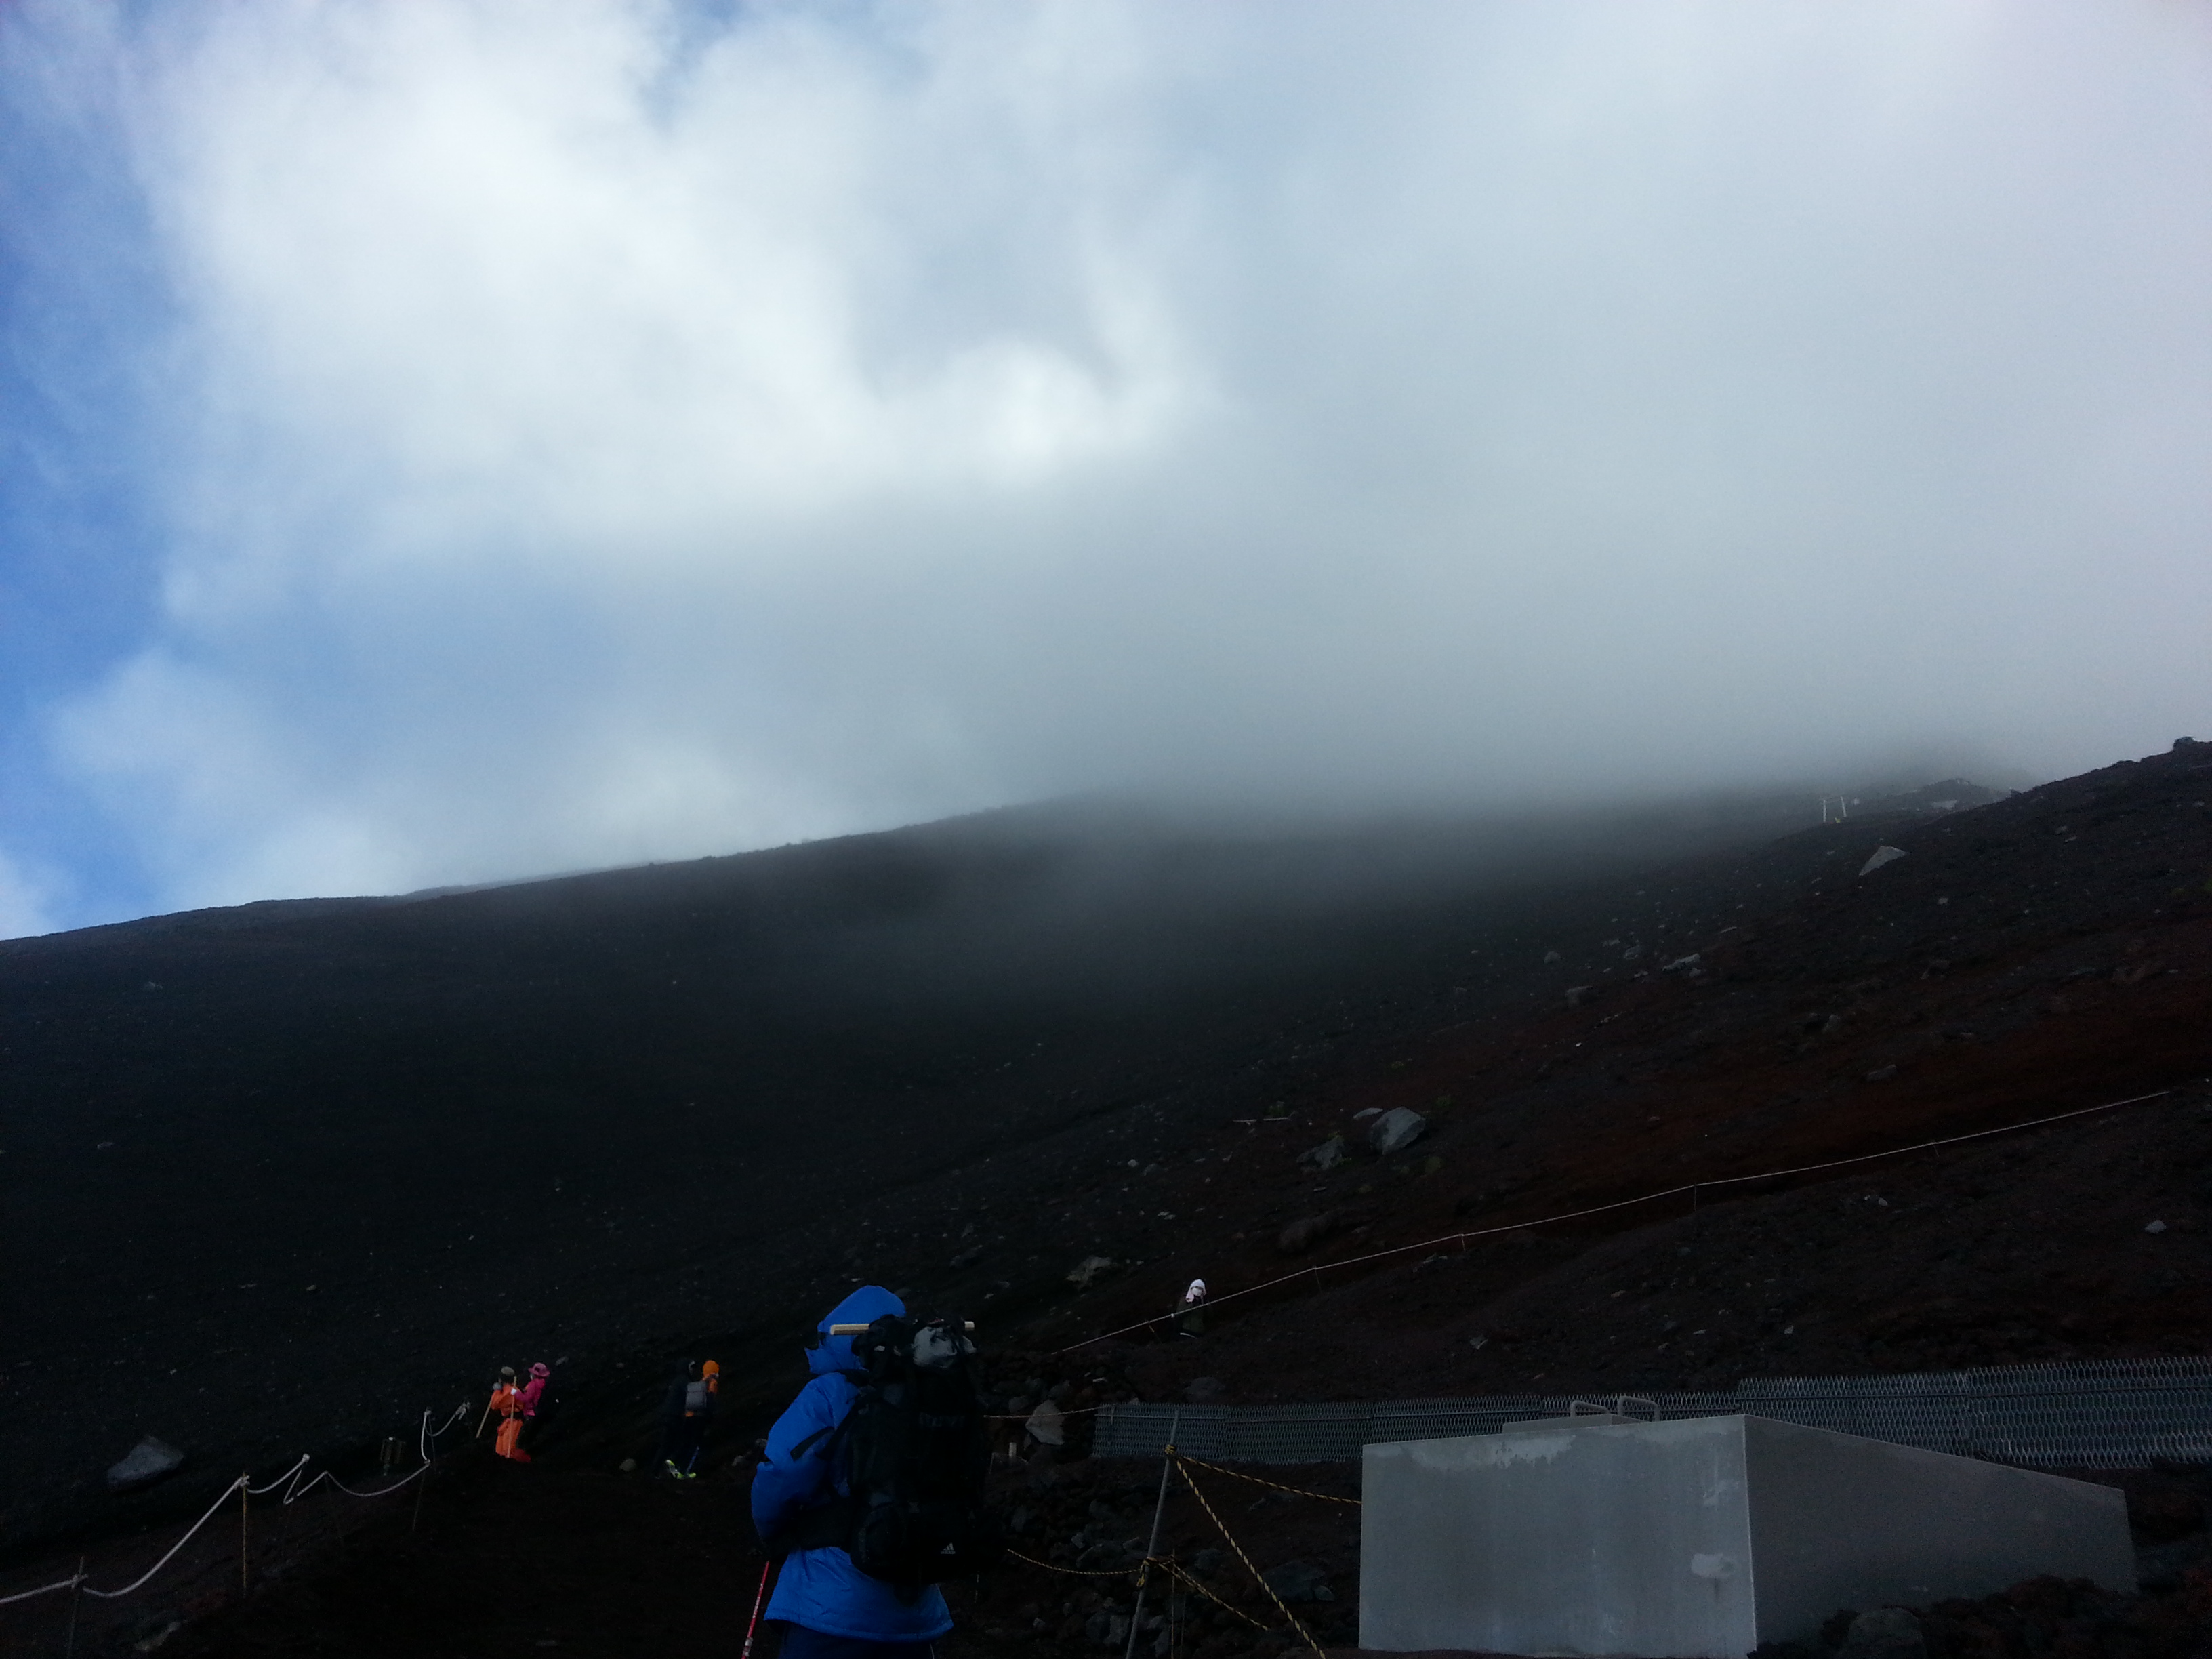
(2101, 1413)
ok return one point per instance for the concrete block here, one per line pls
(1700, 1538)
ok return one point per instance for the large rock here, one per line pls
(1047, 1425)
(1305, 1233)
(1091, 1268)
(1395, 1130)
(1325, 1157)
(149, 1461)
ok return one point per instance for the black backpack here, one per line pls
(914, 1451)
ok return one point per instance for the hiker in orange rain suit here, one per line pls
(507, 1400)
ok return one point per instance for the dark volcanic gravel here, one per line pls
(341, 1097)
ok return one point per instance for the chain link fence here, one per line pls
(2106, 1414)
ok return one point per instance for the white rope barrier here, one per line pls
(429, 1434)
(48, 1589)
(288, 1475)
(1315, 1271)
(294, 1491)
(139, 1582)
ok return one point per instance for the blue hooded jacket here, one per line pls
(821, 1589)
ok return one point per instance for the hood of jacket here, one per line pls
(864, 1307)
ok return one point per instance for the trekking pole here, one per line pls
(760, 1597)
(1152, 1548)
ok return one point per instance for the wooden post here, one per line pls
(244, 1503)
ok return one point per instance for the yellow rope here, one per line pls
(1238, 1474)
(1176, 1571)
(1230, 1540)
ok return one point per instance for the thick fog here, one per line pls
(451, 442)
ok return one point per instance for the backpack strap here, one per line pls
(835, 1432)
(829, 1522)
(824, 1524)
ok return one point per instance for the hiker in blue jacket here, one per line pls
(831, 1609)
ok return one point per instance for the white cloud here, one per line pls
(599, 436)
(26, 905)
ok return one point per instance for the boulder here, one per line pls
(1325, 1157)
(149, 1461)
(1047, 1425)
(1305, 1233)
(1395, 1130)
(1089, 1269)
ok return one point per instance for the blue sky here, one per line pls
(458, 442)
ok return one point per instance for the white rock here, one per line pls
(149, 1461)
(1881, 856)
(1091, 1268)
(2155, 1227)
(1395, 1130)
(1045, 1426)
